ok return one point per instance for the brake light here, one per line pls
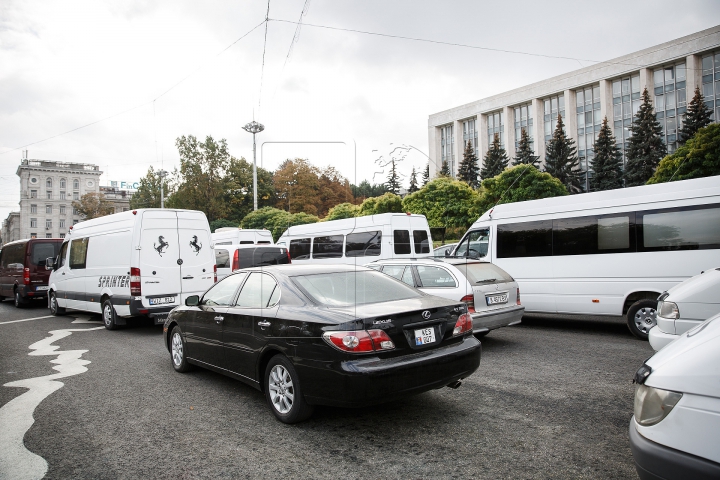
(236, 260)
(381, 340)
(26, 276)
(289, 259)
(359, 341)
(135, 288)
(518, 296)
(470, 301)
(215, 273)
(463, 324)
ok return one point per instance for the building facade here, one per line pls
(611, 89)
(119, 198)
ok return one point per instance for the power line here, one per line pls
(262, 68)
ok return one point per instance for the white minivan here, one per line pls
(241, 236)
(134, 263)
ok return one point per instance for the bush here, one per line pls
(699, 157)
(444, 202)
(385, 203)
(344, 210)
(276, 220)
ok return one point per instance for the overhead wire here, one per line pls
(262, 68)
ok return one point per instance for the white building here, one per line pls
(611, 89)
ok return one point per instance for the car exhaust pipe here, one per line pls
(455, 384)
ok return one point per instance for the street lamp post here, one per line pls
(254, 127)
(162, 174)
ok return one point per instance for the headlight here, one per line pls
(653, 404)
(668, 310)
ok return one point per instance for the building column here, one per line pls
(606, 101)
(538, 129)
(693, 72)
(646, 81)
(483, 145)
(459, 146)
(509, 131)
(434, 149)
(571, 114)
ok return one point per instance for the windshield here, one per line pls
(474, 245)
(340, 289)
(479, 273)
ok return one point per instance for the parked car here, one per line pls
(684, 306)
(444, 250)
(491, 294)
(323, 335)
(23, 276)
(675, 430)
(229, 258)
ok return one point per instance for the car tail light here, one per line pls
(236, 260)
(470, 301)
(135, 288)
(359, 341)
(518, 296)
(463, 324)
(215, 273)
(26, 276)
(289, 259)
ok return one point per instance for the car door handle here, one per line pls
(264, 323)
(219, 319)
(189, 277)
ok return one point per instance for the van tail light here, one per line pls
(135, 288)
(26, 276)
(215, 273)
(518, 296)
(463, 325)
(236, 260)
(470, 302)
(359, 341)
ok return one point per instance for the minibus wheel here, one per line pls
(109, 315)
(641, 317)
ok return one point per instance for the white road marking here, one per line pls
(27, 319)
(16, 416)
(86, 319)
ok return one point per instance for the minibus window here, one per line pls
(222, 258)
(62, 255)
(327, 247)
(422, 245)
(247, 242)
(683, 228)
(78, 252)
(474, 245)
(528, 239)
(365, 244)
(300, 249)
(401, 241)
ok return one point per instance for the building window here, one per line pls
(523, 121)
(552, 107)
(588, 122)
(626, 103)
(62, 235)
(75, 222)
(48, 235)
(670, 101)
(709, 92)
(62, 209)
(48, 223)
(33, 208)
(33, 235)
(470, 134)
(33, 223)
(76, 184)
(48, 183)
(495, 125)
(75, 212)
(62, 195)
(76, 196)
(63, 182)
(62, 223)
(48, 208)
(447, 144)
(48, 195)
(33, 193)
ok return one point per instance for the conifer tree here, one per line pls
(697, 117)
(495, 160)
(393, 181)
(445, 170)
(561, 159)
(525, 153)
(413, 182)
(607, 163)
(468, 169)
(645, 147)
(426, 174)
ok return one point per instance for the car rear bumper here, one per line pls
(371, 380)
(492, 319)
(655, 462)
(31, 291)
(658, 339)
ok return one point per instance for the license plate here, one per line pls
(425, 336)
(161, 300)
(495, 299)
(42, 288)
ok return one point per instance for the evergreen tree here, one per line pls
(445, 170)
(393, 180)
(525, 153)
(495, 160)
(645, 147)
(697, 117)
(561, 159)
(413, 182)
(426, 174)
(607, 163)
(468, 170)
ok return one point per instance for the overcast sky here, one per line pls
(65, 64)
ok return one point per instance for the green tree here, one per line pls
(561, 159)
(445, 202)
(645, 147)
(426, 174)
(468, 170)
(495, 160)
(386, 203)
(276, 220)
(517, 184)
(393, 180)
(413, 182)
(445, 170)
(607, 163)
(697, 116)
(148, 193)
(699, 157)
(366, 190)
(93, 205)
(238, 189)
(343, 210)
(222, 223)
(525, 155)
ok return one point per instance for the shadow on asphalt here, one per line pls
(613, 325)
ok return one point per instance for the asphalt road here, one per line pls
(552, 399)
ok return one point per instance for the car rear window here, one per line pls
(484, 273)
(222, 258)
(435, 277)
(41, 251)
(340, 289)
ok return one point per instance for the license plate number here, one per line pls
(41, 288)
(161, 300)
(495, 299)
(425, 336)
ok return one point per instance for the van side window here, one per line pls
(528, 239)
(78, 252)
(365, 244)
(62, 255)
(682, 228)
(263, 242)
(222, 258)
(247, 242)
(475, 244)
(594, 234)
(401, 242)
(420, 238)
(300, 249)
(327, 247)
(14, 254)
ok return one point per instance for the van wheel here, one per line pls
(641, 317)
(109, 315)
(19, 302)
(54, 308)
(283, 392)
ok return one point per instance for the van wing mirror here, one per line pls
(192, 301)
(49, 263)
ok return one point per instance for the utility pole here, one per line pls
(162, 174)
(254, 127)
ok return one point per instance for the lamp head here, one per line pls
(254, 127)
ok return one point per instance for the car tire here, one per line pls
(641, 317)
(283, 391)
(19, 301)
(53, 305)
(178, 350)
(109, 315)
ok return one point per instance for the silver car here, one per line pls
(444, 250)
(492, 295)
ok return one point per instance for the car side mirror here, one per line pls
(192, 301)
(49, 263)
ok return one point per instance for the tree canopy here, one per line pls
(699, 157)
(698, 115)
(148, 192)
(445, 170)
(302, 187)
(93, 205)
(645, 147)
(607, 163)
(343, 210)
(525, 153)
(495, 160)
(468, 170)
(561, 159)
(276, 220)
(444, 202)
(385, 203)
(413, 182)
(393, 180)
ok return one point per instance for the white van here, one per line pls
(359, 240)
(239, 236)
(603, 253)
(140, 262)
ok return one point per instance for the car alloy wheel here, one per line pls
(18, 300)
(282, 390)
(177, 349)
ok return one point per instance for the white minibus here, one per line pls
(359, 240)
(603, 253)
(240, 236)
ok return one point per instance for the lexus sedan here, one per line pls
(323, 335)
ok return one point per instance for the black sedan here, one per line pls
(323, 335)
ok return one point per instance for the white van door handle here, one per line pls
(264, 323)
(219, 319)
(189, 277)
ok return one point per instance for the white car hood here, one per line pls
(703, 288)
(690, 364)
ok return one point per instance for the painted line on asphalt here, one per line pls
(27, 319)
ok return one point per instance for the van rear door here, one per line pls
(198, 259)
(159, 254)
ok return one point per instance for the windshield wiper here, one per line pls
(487, 280)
